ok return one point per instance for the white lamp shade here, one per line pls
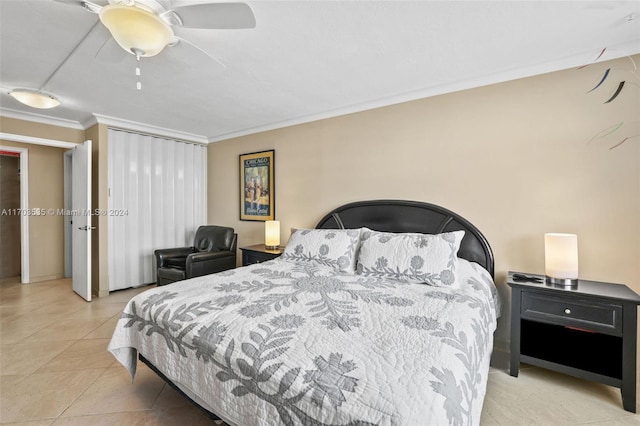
(135, 29)
(34, 98)
(561, 256)
(272, 233)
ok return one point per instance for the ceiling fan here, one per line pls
(144, 28)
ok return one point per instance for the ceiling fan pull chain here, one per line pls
(138, 83)
(137, 52)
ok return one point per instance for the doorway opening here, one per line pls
(10, 243)
(22, 213)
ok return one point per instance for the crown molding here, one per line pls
(106, 120)
(36, 141)
(147, 128)
(40, 118)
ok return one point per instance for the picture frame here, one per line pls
(257, 186)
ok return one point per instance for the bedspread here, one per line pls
(289, 343)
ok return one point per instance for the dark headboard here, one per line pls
(412, 216)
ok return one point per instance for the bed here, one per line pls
(383, 314)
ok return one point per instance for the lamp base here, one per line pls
(562, 282)
(271, 247)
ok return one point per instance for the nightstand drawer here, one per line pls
(259, 253)
(255, 257)
(571, 311)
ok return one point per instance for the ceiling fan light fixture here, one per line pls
(35, 98)
(136, 30)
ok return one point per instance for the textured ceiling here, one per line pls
(304, 60)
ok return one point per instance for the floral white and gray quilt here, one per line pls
(296, 343)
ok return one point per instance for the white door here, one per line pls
(81, 229)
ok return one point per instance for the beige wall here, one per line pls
(39, 130)
(46, 190)
(512, 158)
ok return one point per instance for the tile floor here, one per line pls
(55, 370)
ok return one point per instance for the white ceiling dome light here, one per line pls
(35, 98)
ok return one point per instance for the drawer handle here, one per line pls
(567, 311)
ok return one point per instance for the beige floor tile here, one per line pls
(170, 401)
(43, 395)
(38, 293)
(83, 354)
(7, 382)
(20, 328)
(25, 358)
(187, 415)
(96, 310)
(45, 422)
(69, 329)
(65, 308)
(105, 331)
(8, 313)
(630, 420)
(163, 417)
(170, 398)
(548, 398)
(113, 392)
(129, 418)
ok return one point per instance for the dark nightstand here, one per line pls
(588, 332)
(259, 253)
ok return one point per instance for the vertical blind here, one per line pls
(157, 199)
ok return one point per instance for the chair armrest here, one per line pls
(234, 243)
(205, 263)
(206, 256)
(163, 254)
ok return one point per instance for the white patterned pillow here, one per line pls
(330, 247)
(408, 257)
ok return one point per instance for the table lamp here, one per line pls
(561, 259)
(272, 234)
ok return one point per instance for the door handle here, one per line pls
(86, 228)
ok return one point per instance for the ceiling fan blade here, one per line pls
(188, 53)
(71, 2)
(90, 6)
(216, 16)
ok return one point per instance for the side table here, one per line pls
(588, 331)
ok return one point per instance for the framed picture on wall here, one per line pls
(257, 186)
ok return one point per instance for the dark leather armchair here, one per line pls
(214, 250)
